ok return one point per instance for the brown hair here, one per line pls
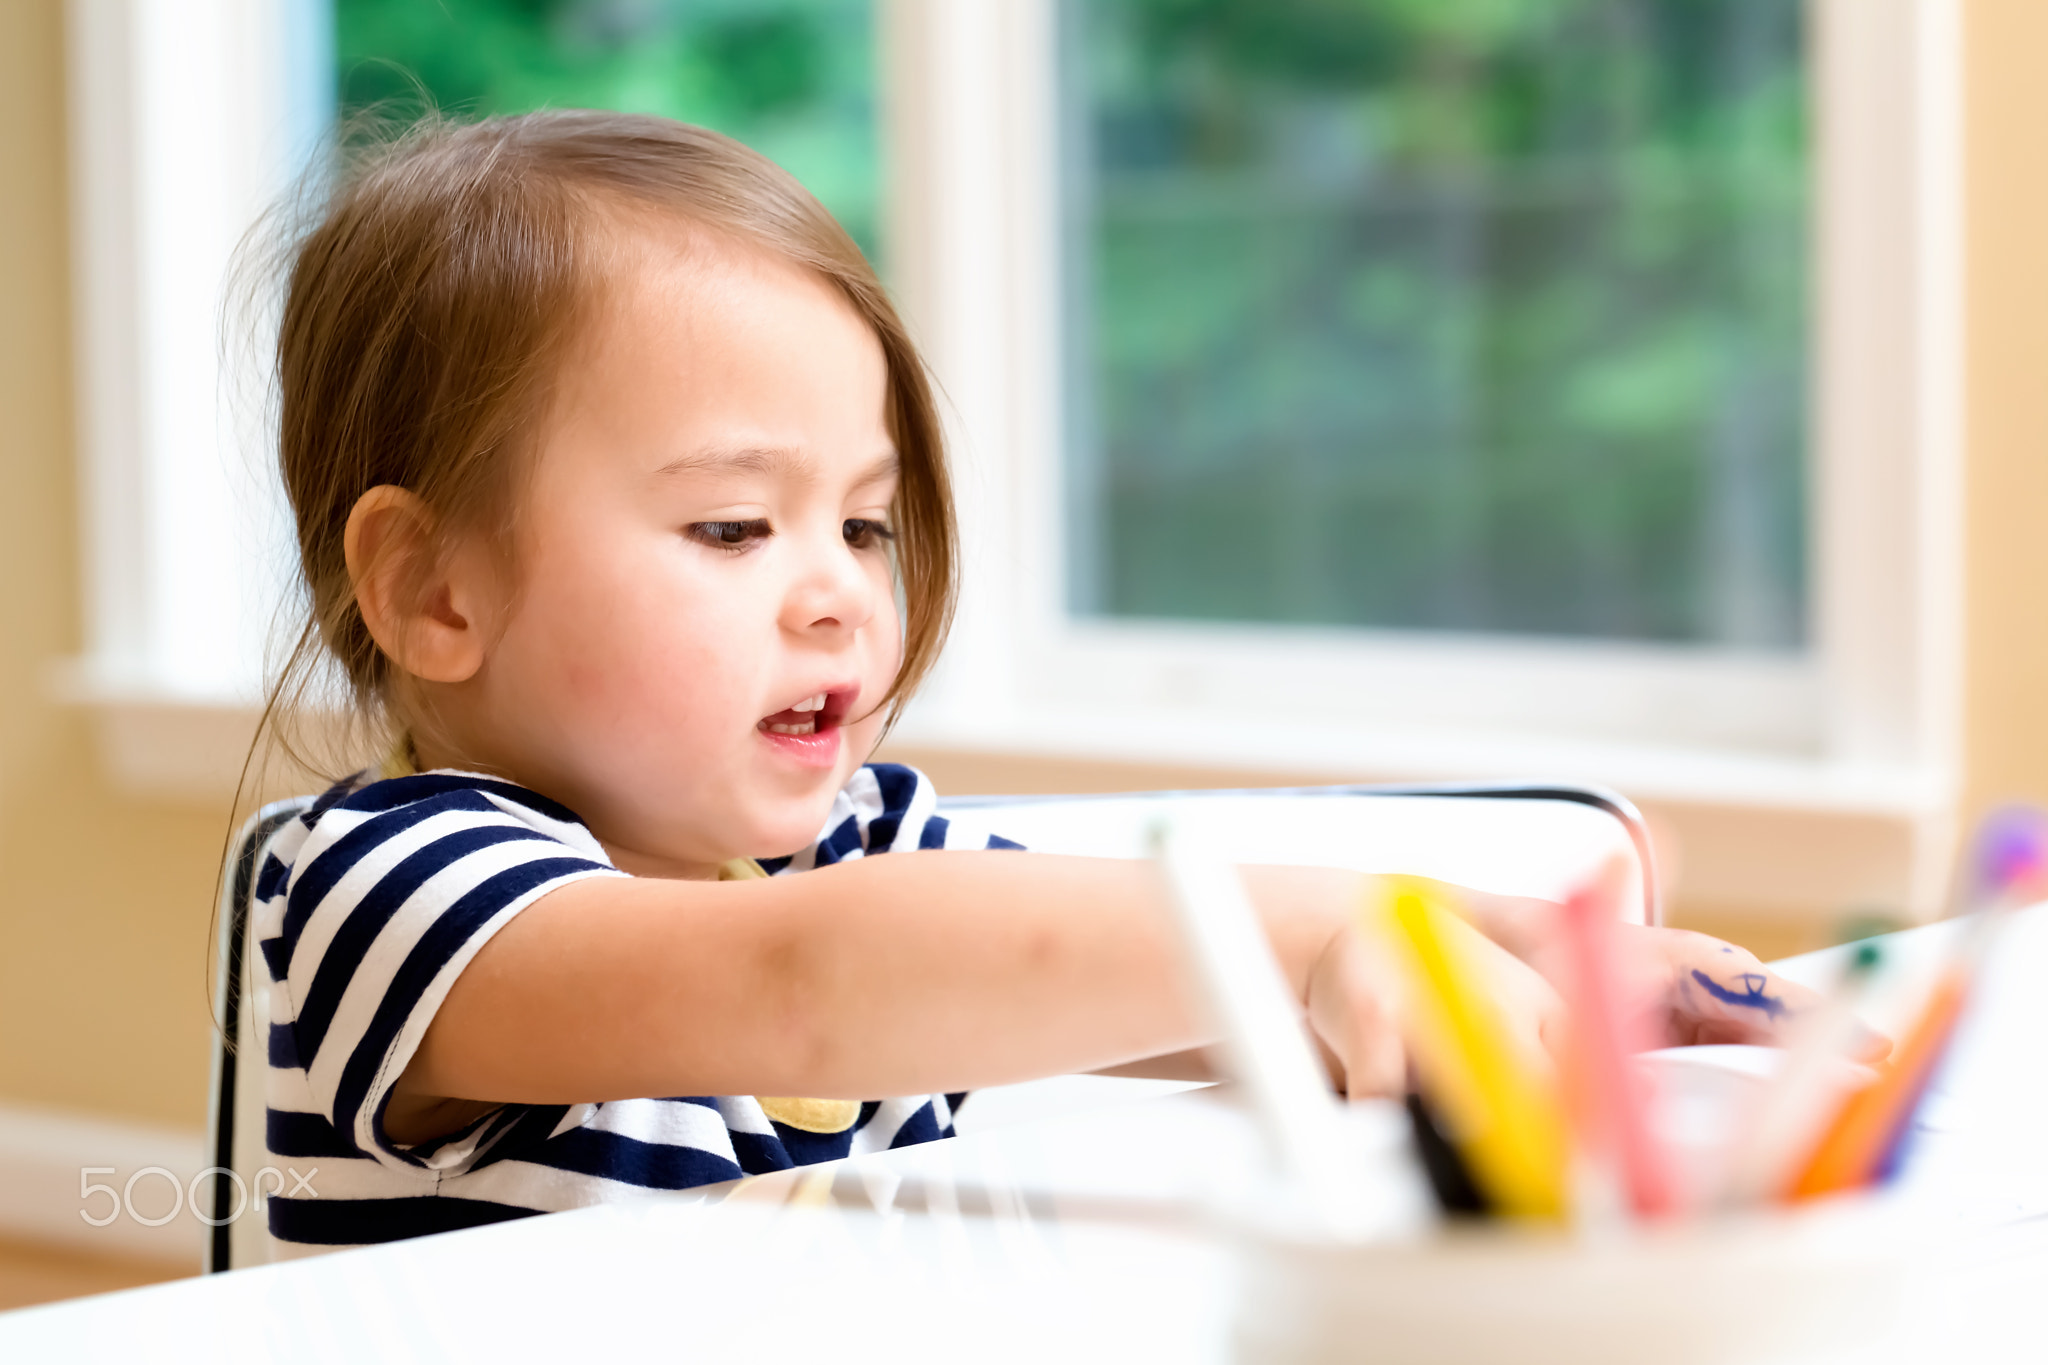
(425, 316)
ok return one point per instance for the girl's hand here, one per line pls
(1356, 1007)
(1692, 987)
(1701, 990)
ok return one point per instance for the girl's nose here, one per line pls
(832, 591)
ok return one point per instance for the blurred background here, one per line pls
(1640, 392)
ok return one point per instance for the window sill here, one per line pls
(1783, 834)
(156, 741)
(1780, 835)
(1337, 751)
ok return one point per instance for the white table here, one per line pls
(1075, 1238)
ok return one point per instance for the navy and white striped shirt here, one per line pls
(369, 906)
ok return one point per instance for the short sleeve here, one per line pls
(391, 893)
(885, 808)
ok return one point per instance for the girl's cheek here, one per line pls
(888, 633)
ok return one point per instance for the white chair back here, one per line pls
(1511, 840)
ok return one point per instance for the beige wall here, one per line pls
(2006, 742)
(104, 901)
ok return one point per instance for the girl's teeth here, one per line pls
(807, 726)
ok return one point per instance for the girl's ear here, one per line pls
(423, 608)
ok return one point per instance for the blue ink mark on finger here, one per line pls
(1751, 996)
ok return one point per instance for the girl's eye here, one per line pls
(861, 532)
(730, 535)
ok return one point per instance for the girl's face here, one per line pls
(705, 619)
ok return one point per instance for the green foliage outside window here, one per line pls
(1441, 314)
(791, 78)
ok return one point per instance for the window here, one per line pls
(1764, 472)
(187, 123)
(1441, 317)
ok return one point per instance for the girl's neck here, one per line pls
(413, 755)
(638, 864)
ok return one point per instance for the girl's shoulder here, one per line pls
(366, 809)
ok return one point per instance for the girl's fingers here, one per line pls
(1722, 994)
(1688, 989)
(1530, 1006)
(1356, 1006)
(1375, 1062)
(1717, 998)
(1353, 1006)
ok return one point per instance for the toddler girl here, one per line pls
(611, 464)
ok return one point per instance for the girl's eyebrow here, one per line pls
(772, 461)
(884, 467)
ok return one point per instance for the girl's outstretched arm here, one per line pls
(883, 976)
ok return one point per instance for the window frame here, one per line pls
(1864, 721)
(187, 123)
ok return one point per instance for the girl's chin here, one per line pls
(796, 820)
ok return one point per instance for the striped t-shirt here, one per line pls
(369, 906)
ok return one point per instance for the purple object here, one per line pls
(2010, 860)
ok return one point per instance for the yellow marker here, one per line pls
(1507, 1123)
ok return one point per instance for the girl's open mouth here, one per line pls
(809, 729)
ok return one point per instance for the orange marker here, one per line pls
(1860, 1141)
(1786, 1126)
(2009, 867)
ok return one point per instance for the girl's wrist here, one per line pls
(1305, 911)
